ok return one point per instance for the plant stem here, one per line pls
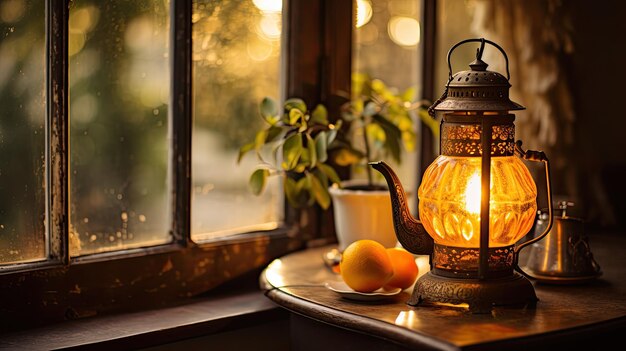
(368, 169)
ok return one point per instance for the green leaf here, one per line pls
(291, 191)
(332, 133)
(387, 125)
(257, 180)
(310, 143)
(319, 115)
(348, 116)
(347, 156)
(305, 159)
(404, 122)
(393, 137)
(357, 106)
(320, 146)
(294, 116)
(358, 82)
(392, 144)
(296, 192)
(303, 124)
(378, 86)
(295, 103)
(269, 111)
(301, 166)
(409, 94)
(370, 109)
(319, 192)
(304, 191)
(321, 176)
(409, 139)
(259, 139)
(376, 134)
(244, 150)
(292, 149)
(329, 172)
(272, 133)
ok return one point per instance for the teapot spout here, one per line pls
(410, 232)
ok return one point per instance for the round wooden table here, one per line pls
(591, 315)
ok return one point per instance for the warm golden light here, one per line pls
(272, 273)
(407, 319)
(472, 194)
(363, 12)
(270, 26)
(404, 31)
(259, 50)
(269, 5)
(450, 201)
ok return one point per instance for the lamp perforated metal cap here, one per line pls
(477, 89)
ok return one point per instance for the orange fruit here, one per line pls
(365, 266)
(404, 269)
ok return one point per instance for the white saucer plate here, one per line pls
(345, 291)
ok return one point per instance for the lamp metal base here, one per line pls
(480, 295)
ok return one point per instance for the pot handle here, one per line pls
(538, 156)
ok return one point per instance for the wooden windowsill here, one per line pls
(120, 282)
(200, 317)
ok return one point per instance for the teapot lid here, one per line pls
(560, 211)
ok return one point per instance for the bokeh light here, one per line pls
(11, 11)
(269, 5)
(259, 50)
(81, 22)
(363, 12)
(404, 31)
(270, 26)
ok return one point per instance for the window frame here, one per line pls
(427, 153)
(57, 142)
(317, 46)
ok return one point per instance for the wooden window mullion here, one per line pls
(181, 119)
(429, 27)
(57, 157)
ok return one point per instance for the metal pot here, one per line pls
(564, 255)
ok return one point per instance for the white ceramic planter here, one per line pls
(361, 214)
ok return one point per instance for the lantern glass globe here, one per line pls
(450, 196)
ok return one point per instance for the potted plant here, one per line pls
(375, 124)
(381, 125)
(298, 139)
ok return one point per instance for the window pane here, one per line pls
(22, 131)
(236, 61)
(119, 93)
(386, 47)
(449, 33)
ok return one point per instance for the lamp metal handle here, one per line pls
(479, 54)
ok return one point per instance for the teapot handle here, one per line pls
(538, 156)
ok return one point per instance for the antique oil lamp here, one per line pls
(474, 205)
